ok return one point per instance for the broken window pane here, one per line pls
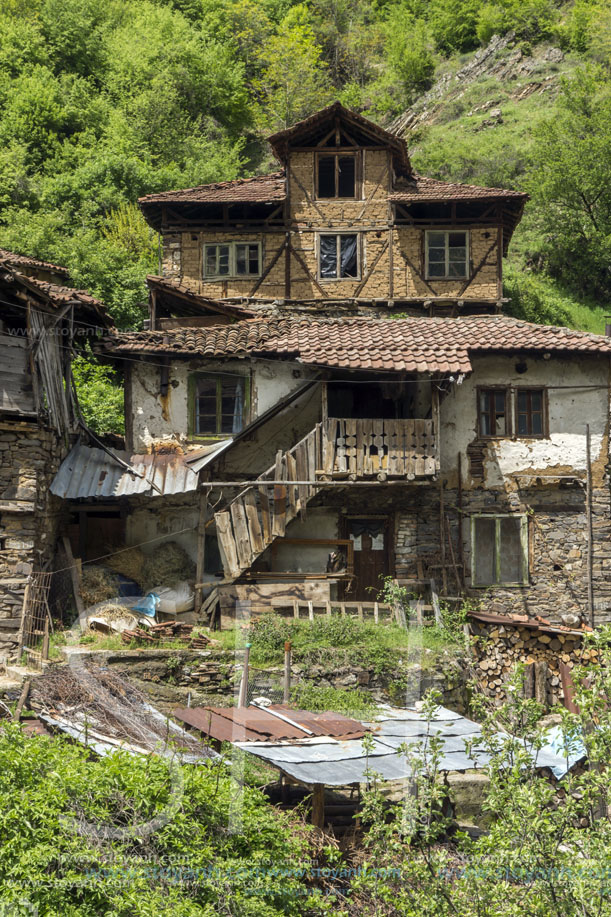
(346, 176)
(492, 412)
(326, 176)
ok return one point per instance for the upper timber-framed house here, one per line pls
(327, 352)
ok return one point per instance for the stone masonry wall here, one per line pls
(29, 458)
(557, 547)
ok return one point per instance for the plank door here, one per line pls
(370, 539)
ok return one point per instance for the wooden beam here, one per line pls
(318, 806)
(201, 549)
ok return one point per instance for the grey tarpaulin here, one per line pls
(341, 762)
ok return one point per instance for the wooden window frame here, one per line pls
(446, 232)
(524, 541)
(359, 256)
(521, 389)
(479, 391)
(233, 274)
(192, 406)
(358, 183)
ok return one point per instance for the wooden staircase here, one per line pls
(261, 513)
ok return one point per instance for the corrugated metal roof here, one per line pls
(88, 472)
(339, 762)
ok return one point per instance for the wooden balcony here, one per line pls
(380, 449)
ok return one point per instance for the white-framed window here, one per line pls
(338, 256)
(499, 550)
(232, 259)
(447, 254)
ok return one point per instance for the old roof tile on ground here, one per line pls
(400, 345)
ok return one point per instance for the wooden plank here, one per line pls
(227, 545)
(279, 511)
(292, 492)
(350, 444)
(301, 463)
(241, 533)
(311, 611)
(329, 446)
(201, 549)
(311, 457)
(22, 699)
(266, 521)
(74, 577)
(254, 525)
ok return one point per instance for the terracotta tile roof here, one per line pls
(56, 295)
(441, 345)
(433, 189)
(25, 261)
(259, 189)
(174, 290)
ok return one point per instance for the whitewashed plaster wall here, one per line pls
(571, 407)
(158, 420)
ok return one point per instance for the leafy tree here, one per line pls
(100, 396)
(570, 181)
(409, 52)
(293, 82)
(453, 24)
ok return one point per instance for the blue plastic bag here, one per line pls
(148, 605)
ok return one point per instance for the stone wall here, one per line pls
(557, 585)
(212, 676)
(29, 514)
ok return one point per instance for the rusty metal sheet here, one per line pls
(88, 472)
(258, 720)
(217, 727)
(321, 724)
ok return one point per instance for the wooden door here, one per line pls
(370, 539)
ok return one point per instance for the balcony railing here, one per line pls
(381, 449)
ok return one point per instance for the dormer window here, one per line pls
(336, 175)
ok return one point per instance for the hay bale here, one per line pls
(97, 585)
(169, 565)
(129, 562)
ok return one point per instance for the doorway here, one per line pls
(370, 536)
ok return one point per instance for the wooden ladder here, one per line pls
(260, 514)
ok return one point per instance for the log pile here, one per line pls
(167, 630)
(498, 649)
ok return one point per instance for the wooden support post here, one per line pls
(243, 695)
(286, 686)
(529, 681)
(201, 549)
(541, 682)
(45, 640)
(590, 530)
(318, 806)
(73, 569)
(22, 699)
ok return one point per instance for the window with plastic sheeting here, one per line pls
(338, 257)
(447, 255)
(218, 404)
(499, 547)
(336, 176)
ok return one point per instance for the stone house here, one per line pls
(41, 319)
(327, 352)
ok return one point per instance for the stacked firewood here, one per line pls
(497, 651)
(167, 630)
